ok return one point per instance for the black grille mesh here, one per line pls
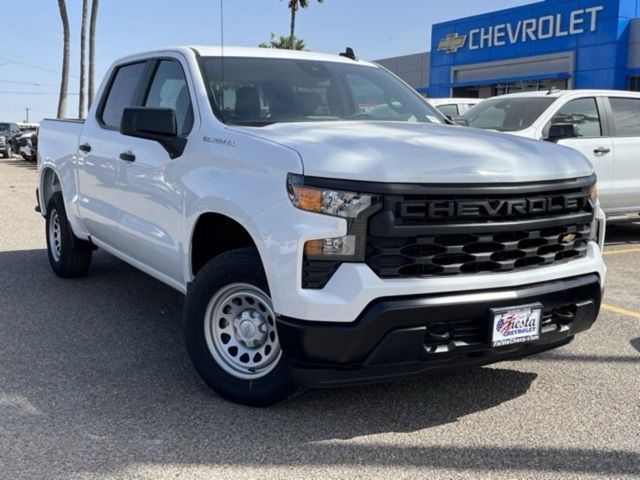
(405, 241)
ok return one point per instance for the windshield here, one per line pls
(262, 91)
(507, 114)
(4, 127)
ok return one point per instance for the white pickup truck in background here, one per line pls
(604, 125)
(323, 224)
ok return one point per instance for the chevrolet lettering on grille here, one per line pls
(493, 208)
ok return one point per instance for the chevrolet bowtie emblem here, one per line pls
(452, 43)
(568, 238)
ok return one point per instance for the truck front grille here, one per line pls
(484, 229)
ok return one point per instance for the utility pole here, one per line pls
(27, 110)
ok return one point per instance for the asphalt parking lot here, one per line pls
(95, 383)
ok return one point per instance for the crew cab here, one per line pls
(326, 227)
(604, 125)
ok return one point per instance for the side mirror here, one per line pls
(456, 120)
(158, 124)
(560, 131)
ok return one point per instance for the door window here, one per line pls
(448, 109)
(583, 113)
(121, 94)
(169, 89)
(626, 116)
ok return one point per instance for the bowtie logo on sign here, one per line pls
(529, 30)
(452, 43)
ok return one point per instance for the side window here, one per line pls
(448, 109)
(584, 114)
(169, 90)
(121, 94)
(626, 116)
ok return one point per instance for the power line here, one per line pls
(33, 84)
(36, 93)
(37, 67)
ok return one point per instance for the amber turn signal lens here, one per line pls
(309, 199)
(314, 248)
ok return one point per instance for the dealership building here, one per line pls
(552, 43)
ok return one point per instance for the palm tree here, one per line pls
(92, 50)
(294, 5)
(83, 67)
(284, 43)
(64, 81)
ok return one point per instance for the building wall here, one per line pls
(602, 57)
(634, 44)
(413, 69)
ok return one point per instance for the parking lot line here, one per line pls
(622, 311)
(623, 250)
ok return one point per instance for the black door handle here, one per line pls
(128, 157)
(85, 147)
(601, 150)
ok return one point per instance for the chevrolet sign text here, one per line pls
(533, 29)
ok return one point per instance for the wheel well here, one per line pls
(213, 235)
(50, 185)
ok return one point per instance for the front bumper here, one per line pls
(407, 336)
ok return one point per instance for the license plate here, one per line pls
(516, 325)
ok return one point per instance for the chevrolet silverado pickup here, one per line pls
(325, 226)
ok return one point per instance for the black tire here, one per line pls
(73, 256)
(6, 153)
(242, 266)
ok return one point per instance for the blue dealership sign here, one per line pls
(595, 31)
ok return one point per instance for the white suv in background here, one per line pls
(454, 106)
(602, 124)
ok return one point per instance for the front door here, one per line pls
(594, 141)
(150, 196)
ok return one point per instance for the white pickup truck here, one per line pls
(323, 224)
(604, 125)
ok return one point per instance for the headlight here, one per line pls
(354, 207)
(330, 202)
(2, 140)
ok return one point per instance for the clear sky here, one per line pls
(32, 35)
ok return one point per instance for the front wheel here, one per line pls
(230, 331)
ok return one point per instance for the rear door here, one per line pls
(150, 196)
(594, 139)
(99, 147)
(625, 115)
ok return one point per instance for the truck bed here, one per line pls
(58, 139)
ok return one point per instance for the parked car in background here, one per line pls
(453, 107)
(8, 134)
(602, 124)
(324, 224)
(27, 145)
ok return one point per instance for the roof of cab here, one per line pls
(217, 51)
(248, 52)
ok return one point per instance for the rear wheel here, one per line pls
(69, 256)
(230, 331)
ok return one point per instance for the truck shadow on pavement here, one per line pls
(95, 378)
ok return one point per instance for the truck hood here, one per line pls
(422, 153)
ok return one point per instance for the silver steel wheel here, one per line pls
(240, 329)
(55, 235)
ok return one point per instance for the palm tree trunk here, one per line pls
(64, 81)
(292, 36)
(92, 51)
(83, 66)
